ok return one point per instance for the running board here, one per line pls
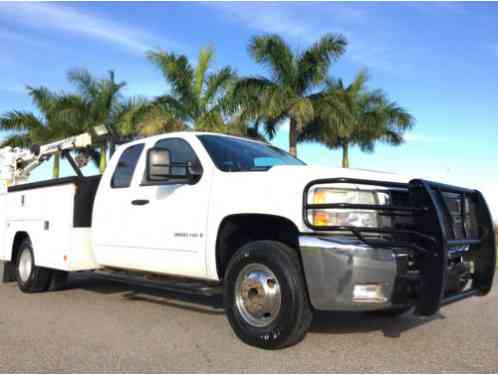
(459, 296)
(166, 283)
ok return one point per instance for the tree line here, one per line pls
(297, 89)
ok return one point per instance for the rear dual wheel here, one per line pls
(34, 279)
(265, 295)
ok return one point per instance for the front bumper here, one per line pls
(333, 266)
(446, 234)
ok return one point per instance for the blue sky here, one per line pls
(438, 60)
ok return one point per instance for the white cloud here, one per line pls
(291, 22)
(7, 35)
(272, 20)
(458, 8)
(50, 16)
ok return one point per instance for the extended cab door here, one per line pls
(160, 228)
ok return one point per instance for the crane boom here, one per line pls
(17, 163)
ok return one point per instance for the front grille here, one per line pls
(461, 218)
(401, 198)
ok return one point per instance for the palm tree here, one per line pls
(152, 119)
(291, 91)
(28, 128)
(355, 116)
(197, 94)
(99, 102)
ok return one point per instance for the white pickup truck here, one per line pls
(207, 213)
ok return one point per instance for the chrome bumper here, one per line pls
(333, 266)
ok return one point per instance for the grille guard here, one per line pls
(429, 241)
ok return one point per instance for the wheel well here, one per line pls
(237, 230)
(18, 238)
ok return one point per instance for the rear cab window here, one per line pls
(125, 168)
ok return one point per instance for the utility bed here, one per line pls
(57, 214)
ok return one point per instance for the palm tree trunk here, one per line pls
(293, 138)
(103, 158)
(56, 167)
(345, 155)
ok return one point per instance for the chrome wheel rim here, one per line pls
(257, 295)
(25, 265)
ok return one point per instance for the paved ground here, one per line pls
(103, 326)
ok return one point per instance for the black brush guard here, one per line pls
(431, 239)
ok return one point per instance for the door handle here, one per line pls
(140, 202)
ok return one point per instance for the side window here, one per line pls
(126, 166)
(180, 152)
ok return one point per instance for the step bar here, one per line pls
(169, 284)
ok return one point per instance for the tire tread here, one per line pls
(295, 272)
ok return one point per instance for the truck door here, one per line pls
(113, 224)
(165, 224)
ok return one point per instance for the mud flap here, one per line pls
(8, 272)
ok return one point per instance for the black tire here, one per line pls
(391, 312)
(58, 280)
(294, 317)
(38, 278)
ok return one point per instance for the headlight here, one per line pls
(346, 217)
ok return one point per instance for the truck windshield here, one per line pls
(232, 154)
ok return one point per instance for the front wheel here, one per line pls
(30, 278)
(265, 296)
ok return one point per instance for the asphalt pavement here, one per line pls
(99, 325)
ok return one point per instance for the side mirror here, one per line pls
(160, 168)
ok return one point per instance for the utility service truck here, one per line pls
(215, 214)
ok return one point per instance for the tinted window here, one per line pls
(180, 152)
(237, 154)
(126, 166)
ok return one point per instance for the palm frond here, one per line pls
(157, 120)
(127, 115)
(19, 120)
(302, 112)
(218, 83)
(177, 71)
(174, 106)
(358, 84)
(314, 63)
(43, 98)
(85, 83)
(272, 124)
(272, 51)
(206, 56)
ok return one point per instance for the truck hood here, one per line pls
(306, 174)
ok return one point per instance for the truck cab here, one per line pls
(279, 239)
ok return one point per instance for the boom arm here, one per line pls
(16, 164)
